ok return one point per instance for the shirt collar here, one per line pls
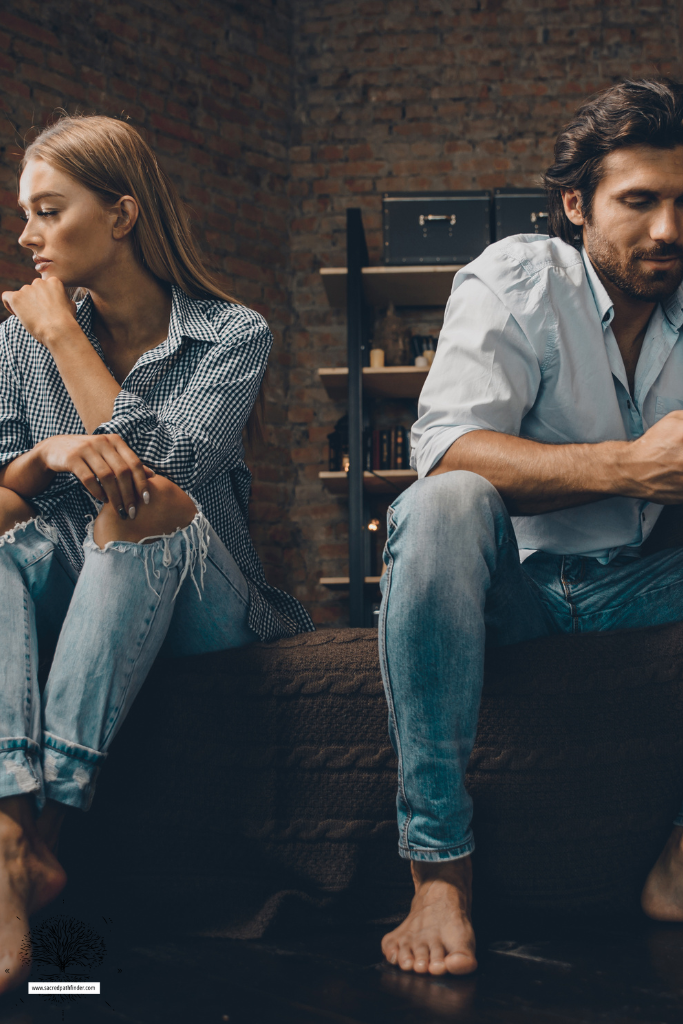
(673, 308)
(603, 303)
(84, 315)
(188, 320)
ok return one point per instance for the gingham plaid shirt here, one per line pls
(182, 409)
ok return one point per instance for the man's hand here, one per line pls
(533, 478)
(652, 467)
(44, 308)
(105, 465)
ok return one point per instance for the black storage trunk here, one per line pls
(520, 211)
(435, 227)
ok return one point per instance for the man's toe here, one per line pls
(421, 964)
(437, 957)
(405, 957)
(460, 963)
(390, 948)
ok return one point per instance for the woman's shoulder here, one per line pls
(11, 326)
(230, 320)
(14, 335)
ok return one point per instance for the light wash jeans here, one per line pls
(453, 584)
(179, 594)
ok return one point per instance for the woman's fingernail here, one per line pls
(145, 497)
(131, 512)
(122, 512)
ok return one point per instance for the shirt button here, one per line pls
(628, 405)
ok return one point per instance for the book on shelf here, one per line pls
(399, 453)
(375, 450)
(386, 449)
(367, 450)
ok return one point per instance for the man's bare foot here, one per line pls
(437, 935)
(30, 877)
(662, 897)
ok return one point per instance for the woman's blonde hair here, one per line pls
(111, 158)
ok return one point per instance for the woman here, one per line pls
(123, 490)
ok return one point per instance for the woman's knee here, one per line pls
(165, 495)
(169, 509)
(13, 510)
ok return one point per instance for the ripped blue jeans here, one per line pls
(177, 594)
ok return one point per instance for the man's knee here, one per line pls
(450, 496)
(13, 510)
(169, 509)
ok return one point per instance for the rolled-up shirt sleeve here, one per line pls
(196, 434)
(485, 375)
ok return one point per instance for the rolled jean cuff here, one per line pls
(20, 768)
(449, 853)
(70, 771)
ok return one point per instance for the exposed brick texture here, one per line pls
(210, 84)
(273, 116)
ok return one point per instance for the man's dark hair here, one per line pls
(647, 111)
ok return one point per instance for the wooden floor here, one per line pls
(530, 973)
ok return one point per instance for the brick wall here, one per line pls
(273, 117)
(210, 83)
(414, 95)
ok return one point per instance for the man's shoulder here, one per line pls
(520, 257)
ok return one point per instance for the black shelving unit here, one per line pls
(354, 287)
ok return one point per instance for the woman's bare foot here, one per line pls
(49, 824)
(30, 877)
(437, 935)
(662, 897)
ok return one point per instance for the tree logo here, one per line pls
(63, 949)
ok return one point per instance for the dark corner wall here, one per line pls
(273, 116)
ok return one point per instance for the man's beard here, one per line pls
(627, 272)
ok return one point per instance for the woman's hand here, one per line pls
(105, 465)
(44, 308)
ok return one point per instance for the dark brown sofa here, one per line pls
(247, 782)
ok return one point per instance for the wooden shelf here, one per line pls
(383, 481)
(342, 582)
(404, 286)
(382, 382)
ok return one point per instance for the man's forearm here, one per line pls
(27, 475)
(533, 478)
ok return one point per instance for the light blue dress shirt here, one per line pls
(527, 349)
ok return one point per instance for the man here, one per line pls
(556, 397)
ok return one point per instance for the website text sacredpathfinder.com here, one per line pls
(72, 988)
